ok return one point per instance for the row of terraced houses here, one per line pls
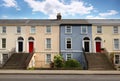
(49, 37)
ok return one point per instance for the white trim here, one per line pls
(115, 59)
(117, 30)
(66, 30)
(66, 43)
(70, 54)
(46, 57)
(114, 44)
(31, 29)
(46, 43)
(86, 28)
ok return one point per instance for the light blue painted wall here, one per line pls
(77, 40)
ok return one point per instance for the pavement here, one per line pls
(58, 72)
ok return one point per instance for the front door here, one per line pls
(86, 45)
(31, 44)
(98, 46)
(20, 46)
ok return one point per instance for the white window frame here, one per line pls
(99, 28)
(116, 59)
(114, 30)
(48, 60)
(33, 30)
(67, 56)
(4, 29)
(18, 30)
(48, 28)
(3, 44)
(118, 44)
(66, 42)
(86, 28)
(47, 47)
(66, 28)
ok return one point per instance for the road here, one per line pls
(59, 77)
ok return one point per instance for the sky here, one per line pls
(69, 9)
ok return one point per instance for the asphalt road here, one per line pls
(59, 77)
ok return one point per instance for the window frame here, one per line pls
(48, 60)
(117, 60)
(86, 29)
(47, 44)
(66, 43)
(99, 30)
(48, 29)
(18, 29)
(3, 43)
(67, 56)
(4, 29)
(116, 44)
(32, 29)
(66, 29)
(114, 31)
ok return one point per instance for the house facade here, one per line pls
(40, 37)
(73, 38)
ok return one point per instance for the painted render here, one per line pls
(77, 42)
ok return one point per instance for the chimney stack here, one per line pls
(59, 16)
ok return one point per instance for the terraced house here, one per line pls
(95, 43)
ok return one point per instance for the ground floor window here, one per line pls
(48, 58)
(5, 57)
(69, 56)
(117, 58)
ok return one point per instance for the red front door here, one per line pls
(98, 46)
(31, 47)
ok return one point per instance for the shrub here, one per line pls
(58, 61)
(72, 63)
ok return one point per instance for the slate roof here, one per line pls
(27, 22)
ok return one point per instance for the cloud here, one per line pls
(51, 7)
(94, 17)
(108, 13)
(4, 17)
(10, 3)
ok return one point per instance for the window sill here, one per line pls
(99, 33)
(47, 33)
(68, 33)
(48, 49)
(18, 33)
(32, 33)
(3, 33)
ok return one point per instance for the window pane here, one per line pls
(48, 29)
(18, 29)
(99, 29)
(116, 43)
(3, 43)
(3, 29)
(48, 58)
(84, 29)
(33, 30)
(68, 43)
(68, 56)
(117, 57)
(115, 29)
(68, 29)
(48, 41)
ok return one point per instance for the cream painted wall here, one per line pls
(107, 37)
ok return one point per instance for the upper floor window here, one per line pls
(18, 29)
(4, 29)
(48, 43)
(117, 59)
(68, 29)
(48, 29)
(116, 44)
(115, 30)
(99, 29)
(83, 29)
(33, 29)
(3, 43)
(48, 58)
(69, 56)
(68, 43)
